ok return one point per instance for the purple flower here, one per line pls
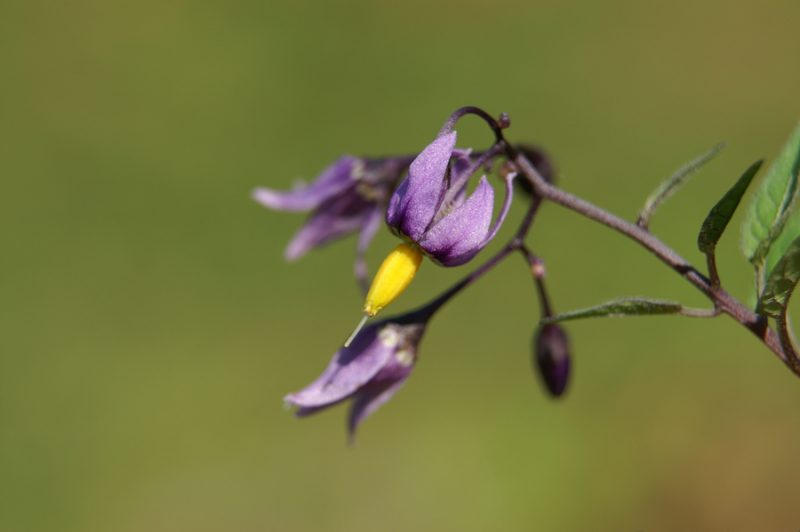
(431, 207)
(551, 347)
(348, 196)
(368, 372)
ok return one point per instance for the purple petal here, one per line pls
(372, 223)
(368, 401)
(349, 370)
(380, 389)
(461, 168)
(332, 181)
(460, 235)
(394, 214)
(420, 194)
(460, 171)
(509, 180)
(336, 218)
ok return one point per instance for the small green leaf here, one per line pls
(719, 216)
(632, 306)
(669, 186)
(781, 282)
(772, 203)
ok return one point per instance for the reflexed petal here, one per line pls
(332, 181)
(509, 180)
(460, 235)
(368, 401)
(335, 219)
(349, 370)
(394, 214)
(371, 224)
(422, 190)
(460, 171)
(382, 386)
(461, 168)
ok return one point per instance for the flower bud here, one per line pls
(552, 358)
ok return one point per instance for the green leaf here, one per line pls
(772, 204)
(669, 186)
(781, 282)
(719, 216)
(791, 230)
(632, 306)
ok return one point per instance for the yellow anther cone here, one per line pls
(394, 275)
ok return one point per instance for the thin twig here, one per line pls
(784, 333)
(722, 300)
(538, 273)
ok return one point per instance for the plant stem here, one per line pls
(722, 300)
(778, 342)
(537, 272)
(513, 245)
(713, 273)
(786, 341)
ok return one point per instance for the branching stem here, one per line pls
(786, 341)
(713, 273)
(538, 273)
(516, 243)
(779, 342)
(721, 299)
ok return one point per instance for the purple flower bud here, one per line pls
(431, 207)
(552, 357)
(368, 372)
(348, 196)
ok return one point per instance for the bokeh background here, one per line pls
(150, 326)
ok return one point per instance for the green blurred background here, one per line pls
(150, 326)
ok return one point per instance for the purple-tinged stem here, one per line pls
(756, 324)
(513, 245)
(495, 125)
(713, 273)
(538, 273)
(786, 340)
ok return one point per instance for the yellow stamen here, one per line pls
(394, 275)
